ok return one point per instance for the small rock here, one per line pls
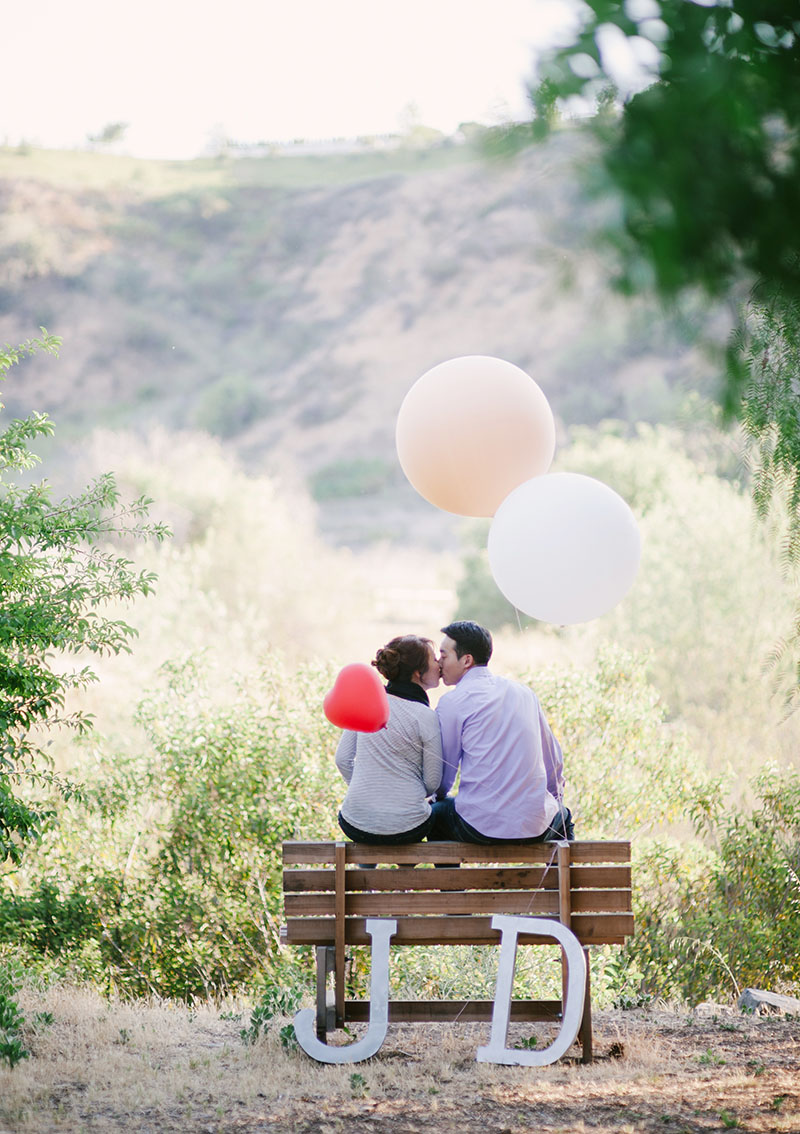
(757, 1000)
(709, 1008)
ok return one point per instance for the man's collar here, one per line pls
(480, 672)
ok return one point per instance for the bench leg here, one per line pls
(585, 1030)
(325, 1015)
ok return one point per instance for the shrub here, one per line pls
(715, 917)
(229, 405)
(359, 477)
(478, 596)
(628, 770)
(12, 1048)
(170, 866)
(274, 1001)
(58, 577)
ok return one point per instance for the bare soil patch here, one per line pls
(163, 1068)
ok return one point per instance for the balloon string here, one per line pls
(560, 796)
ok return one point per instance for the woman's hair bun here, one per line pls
(401, 658)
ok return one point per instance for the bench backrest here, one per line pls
(328, 895)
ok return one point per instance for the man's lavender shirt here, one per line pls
(511, 764)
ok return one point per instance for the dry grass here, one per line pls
(154, 1067)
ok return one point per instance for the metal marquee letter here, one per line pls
(510, 929)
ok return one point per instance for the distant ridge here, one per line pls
(286, 304)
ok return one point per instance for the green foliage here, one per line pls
(710, 1059)
(770, 349)
(703, 161)
(764, 364)
(359, 1088)
(359, 477)
(628, 771)
(19, 822)
(712, 921)
(12, 356)
(48, 921)
(165, 877)
(478, 595)
(273, 1002)
(705, 157)
(12, 1048)
(235, 781)
(229, 405)
(709, 599)
(56, 577)
(112, 132)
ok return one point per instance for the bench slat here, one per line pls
(409, 878)
(590, 929)
(450, 1011)
(298, 853)
(470, 902)
(475, 878)
(394, 905)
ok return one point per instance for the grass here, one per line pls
(158, 1066)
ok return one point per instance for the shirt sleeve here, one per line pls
(450, 726)
(553, 758)
(431, 754)
(346, 755)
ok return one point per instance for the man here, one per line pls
(494, 730)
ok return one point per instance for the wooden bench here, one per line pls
(328, 896)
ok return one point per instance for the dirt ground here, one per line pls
(159, 1069)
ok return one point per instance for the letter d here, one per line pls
(510, 929)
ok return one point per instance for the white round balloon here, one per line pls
(564, 548)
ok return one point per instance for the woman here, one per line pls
(391, 772)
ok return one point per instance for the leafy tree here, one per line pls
(705, 157)
(56, 576)
(704, 161)
(112, 132)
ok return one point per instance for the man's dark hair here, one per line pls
(470, 638)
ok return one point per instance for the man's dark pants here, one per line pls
(448, 825)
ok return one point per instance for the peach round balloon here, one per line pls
(470, 430)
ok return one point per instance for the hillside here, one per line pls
(287, 304)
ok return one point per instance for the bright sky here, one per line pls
(183, 71)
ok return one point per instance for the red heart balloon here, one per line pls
(358, 700)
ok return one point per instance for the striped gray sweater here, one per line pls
(390, 772)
